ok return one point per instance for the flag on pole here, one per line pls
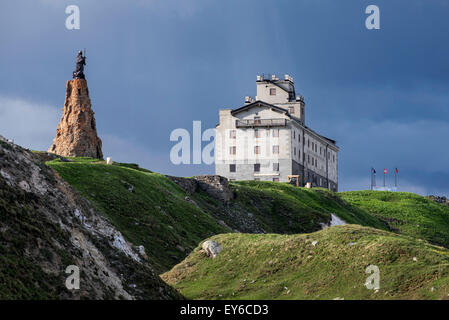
(385, 171)
(397, 170)
(373, 170)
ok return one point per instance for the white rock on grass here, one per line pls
(335, 221)
(212, 248)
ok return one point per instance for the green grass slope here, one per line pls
(405, 213)
(328, 264)
(154, 214)
(273, 199)
(169, 223)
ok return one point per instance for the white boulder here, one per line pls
(212, 248)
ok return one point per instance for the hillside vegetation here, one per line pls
(45, 227)
(153, 211)
(281, 198)
(328, 264)
(146, 207)
(405, 213)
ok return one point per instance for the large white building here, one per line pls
(267, 139)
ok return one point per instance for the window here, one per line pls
(308, 158)
(232, 168)
(232, 134)
(275, 149)
(275, 133)
(294, 134)
(276, 179)
(272, 91)
(257, 120)
(299, 154)
(232, 150)
(257, 167)
(294, 151)
(291, 110)
(275, 166)
(256, 149)
(333, 156)
(308, 143)
(299, 138)
(256, 133)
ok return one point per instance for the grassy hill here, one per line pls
(153, 211)
(274, 198)
(146, 207)
(328, 264)
(405, 213)
(46, 226)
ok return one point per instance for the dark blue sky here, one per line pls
(157, 65)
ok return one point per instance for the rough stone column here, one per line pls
(76, 134)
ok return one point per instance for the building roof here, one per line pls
(260, 103)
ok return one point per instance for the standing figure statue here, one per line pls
(80, 63)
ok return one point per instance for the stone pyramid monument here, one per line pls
(76, 134)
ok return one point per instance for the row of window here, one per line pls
(275, 179)
(257, 133)
(232, 167)
(233, 150)
(275, 134)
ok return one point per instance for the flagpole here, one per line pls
(396, 171)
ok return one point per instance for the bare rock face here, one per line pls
(76, 135)
(46, 226)
(216, 186)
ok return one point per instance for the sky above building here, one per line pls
(157, 65)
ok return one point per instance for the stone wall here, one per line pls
(215, 186)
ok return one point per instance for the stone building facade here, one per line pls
(267, 139)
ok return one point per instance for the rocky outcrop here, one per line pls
(214, 185)
(439, 199)
(76, 134)
(189, 185)
(46, 226)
